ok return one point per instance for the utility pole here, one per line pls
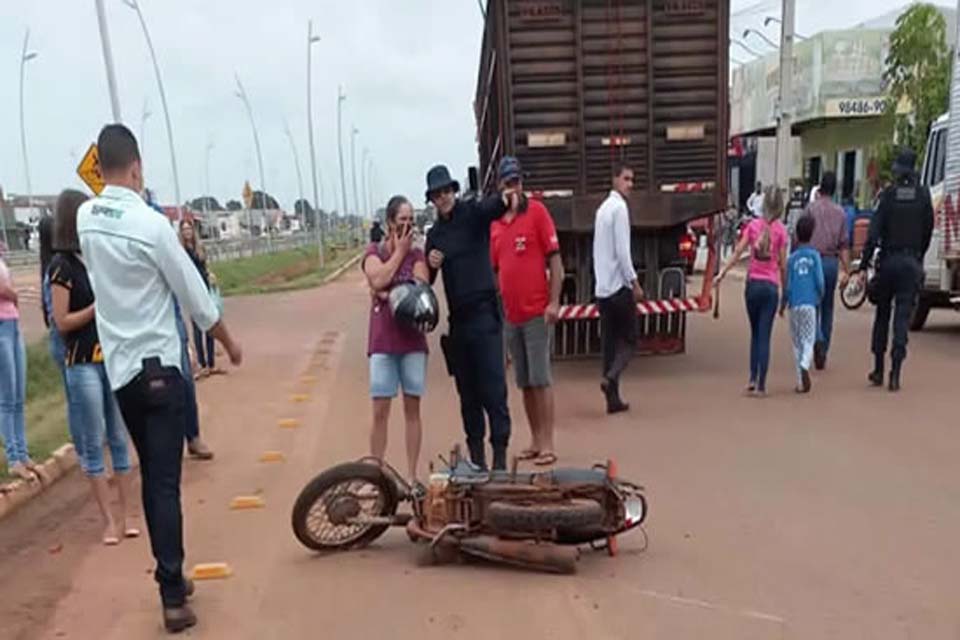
(108, 61)
(296, 164)
(784, 155)
(358, 212)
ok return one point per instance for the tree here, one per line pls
(917, 73)
(205, 203)
(258, 200)
(234, 205)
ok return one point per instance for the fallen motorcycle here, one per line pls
(534, 520)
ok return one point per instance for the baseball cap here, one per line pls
(509, 168)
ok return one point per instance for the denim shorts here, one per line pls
(391, 371)
(95, 419)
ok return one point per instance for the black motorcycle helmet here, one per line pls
(414, 305)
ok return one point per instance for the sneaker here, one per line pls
(199, 450)
(177, 619)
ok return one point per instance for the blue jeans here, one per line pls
(95, 418)
(13, 391)
(831, 271)
(762, 298)
(390, 372)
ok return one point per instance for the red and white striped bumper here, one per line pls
(650, 308)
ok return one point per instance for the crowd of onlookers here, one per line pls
(93, 416)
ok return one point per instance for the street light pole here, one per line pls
(25, 56)
(242, 94)
(784, 155)
(207, 196)
(108, 61)
(313, 155)
(747, 32)
(358, 213)
(363, 181)
(133, 4)
(296, 163)
(143, 122)
(343, 181)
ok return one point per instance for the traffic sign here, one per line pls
(89, 170)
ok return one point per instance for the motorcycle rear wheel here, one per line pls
(576, 514)
(336, 495)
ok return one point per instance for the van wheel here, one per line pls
(919, 316)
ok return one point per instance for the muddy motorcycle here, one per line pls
(534, 520)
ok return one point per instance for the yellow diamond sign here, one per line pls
(89, 170)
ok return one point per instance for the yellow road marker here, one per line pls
(247, 502)
(211, 571)
(288, 423)
(299, 397)
(272, 456)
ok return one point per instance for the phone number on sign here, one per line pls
(861, 107)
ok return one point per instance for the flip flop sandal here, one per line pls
(131, 532)
(545, 459)
(528, 454)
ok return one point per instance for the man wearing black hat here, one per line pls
(902, 228)
(459, 246)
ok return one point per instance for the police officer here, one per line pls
(459, 246)
(901, 228)
(138, 271)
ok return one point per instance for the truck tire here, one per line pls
(921, 311)
(532, 518)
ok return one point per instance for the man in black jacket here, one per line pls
(902, 228)
(459, 246)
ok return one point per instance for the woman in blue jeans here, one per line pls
(13, 379)
(767, 239)
(94, 414)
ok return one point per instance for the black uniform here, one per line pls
(475, 347)
(901, 228)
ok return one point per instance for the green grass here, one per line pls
(282, 271)
(46, 411)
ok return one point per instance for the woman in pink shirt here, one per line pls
(767, 239)
(13, 378)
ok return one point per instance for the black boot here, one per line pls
(478, 455)
(611, 389)
(820, 355)
(895, 376)
(876, 376)
(500, 458)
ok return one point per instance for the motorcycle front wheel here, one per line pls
(329, 512)
(854, 294)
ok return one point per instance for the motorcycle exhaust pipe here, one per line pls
(547, 557)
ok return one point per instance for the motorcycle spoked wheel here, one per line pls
(338, 494)
(572, 515)
(854, 294)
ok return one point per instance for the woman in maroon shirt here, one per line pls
(398, 354)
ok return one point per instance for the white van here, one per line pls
(941, 264)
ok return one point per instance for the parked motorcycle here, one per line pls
(534, 520)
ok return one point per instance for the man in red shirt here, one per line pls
(523, 247)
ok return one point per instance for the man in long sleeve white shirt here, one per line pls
(136, 267)
(617, 287)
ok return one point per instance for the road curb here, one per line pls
(17, 493)
(339, 272)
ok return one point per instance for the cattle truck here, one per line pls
(574, 88)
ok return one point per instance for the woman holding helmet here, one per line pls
(403, 309)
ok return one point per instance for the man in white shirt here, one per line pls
(136, 267)
(617, 287)
(755, 202)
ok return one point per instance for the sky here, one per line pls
(407, 67)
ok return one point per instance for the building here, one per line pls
(839, 100)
